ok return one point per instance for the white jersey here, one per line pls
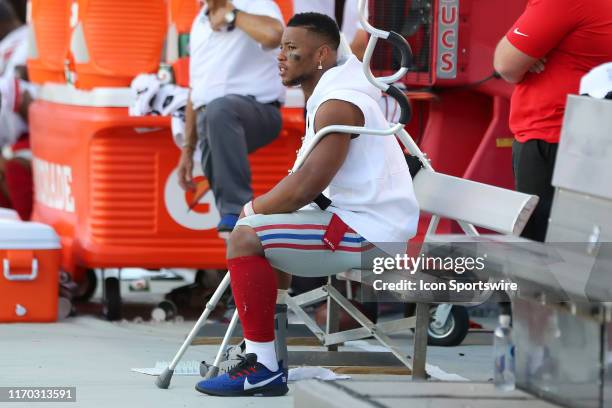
(231, 62)
(372, 192)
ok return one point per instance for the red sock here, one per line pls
(254, 288)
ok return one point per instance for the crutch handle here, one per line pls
(403, 102)
(400, 42)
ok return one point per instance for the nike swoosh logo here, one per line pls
(248, 385)
(517, 32)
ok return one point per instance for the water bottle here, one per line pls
(504, 355)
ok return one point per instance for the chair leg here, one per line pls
(280, 334)
(310, 323)
(374, 330)
(333, 317)
(420, 342)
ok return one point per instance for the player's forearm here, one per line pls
(510, 63)
(291, 194)
(508, 74)
(190, 126)
(265, 30)
(317, 172)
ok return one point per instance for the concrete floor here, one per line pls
(96, 356)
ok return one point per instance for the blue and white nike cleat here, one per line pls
(248, 378)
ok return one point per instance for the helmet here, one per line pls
(144, 87)
(151, 97)
(169, 99)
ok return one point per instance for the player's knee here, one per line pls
(218, 109)
(243, 241)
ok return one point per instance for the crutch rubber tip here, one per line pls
(163, 381)
(204, 367)
(212, 372)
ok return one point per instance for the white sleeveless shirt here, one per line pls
(372, 192)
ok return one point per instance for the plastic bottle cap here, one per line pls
(504, 320)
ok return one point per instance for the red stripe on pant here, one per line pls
(254, 287)
(295, 227)
(299, 247)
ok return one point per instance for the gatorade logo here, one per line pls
(195, 210)
(53, 185)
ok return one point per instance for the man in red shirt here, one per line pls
(546, 53)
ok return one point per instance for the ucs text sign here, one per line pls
(448, 36)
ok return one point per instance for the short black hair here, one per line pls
(318, 23)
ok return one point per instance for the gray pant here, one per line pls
(293, 243)
(229, 128)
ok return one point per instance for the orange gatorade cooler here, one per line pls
(115, 40)
(49, 39)
(30, 256)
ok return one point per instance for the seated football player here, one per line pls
(352, 192)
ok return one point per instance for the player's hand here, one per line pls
(185, 170)
(217, 15)
(539, 66)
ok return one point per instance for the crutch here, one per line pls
(163, 381)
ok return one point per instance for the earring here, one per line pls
(320, 67)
